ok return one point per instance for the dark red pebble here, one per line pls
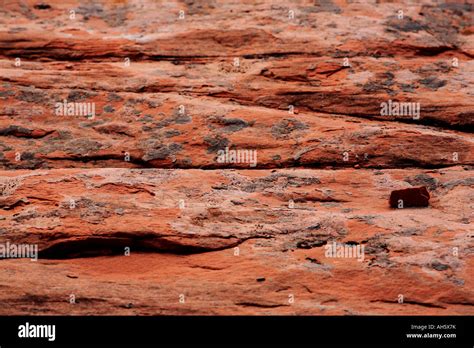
(411, 197)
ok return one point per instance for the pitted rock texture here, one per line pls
(301, 83)
(170, 92)
(424, 254)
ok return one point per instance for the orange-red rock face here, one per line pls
(236, 157)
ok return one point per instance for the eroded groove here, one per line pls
(108, 246)
(410, 302)
(259, 305)
(113, 246)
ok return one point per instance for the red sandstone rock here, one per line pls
(192, 250)
(170, 93)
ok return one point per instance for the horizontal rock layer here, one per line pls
(131, 208)
(278, 85)
(190, 247)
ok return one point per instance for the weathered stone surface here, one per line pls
(192, 250)
(312, 86)
(281, 62)
(411, 197)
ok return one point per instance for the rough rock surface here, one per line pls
(301, 83)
